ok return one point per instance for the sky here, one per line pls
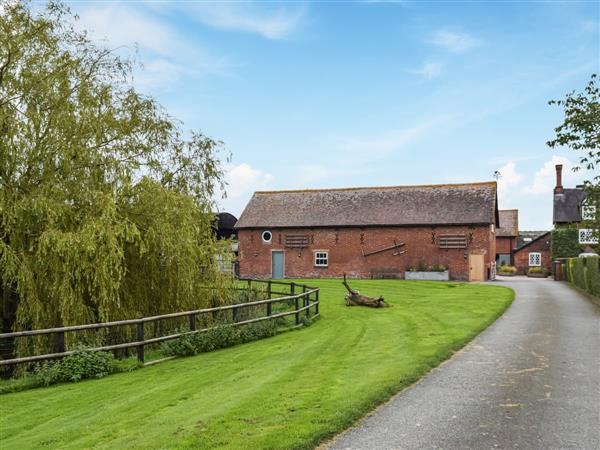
(366, 93)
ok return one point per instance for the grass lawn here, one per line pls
(290, 391)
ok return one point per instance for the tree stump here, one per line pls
(355, 298)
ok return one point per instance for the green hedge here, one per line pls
(565, 243)
(585, 274)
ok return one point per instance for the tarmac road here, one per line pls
(530, 381)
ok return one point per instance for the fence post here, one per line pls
(296, 302)
(269, 305)
(60, 342)
(234, 315)
(306, 301)
(192, 322)
(317, 302)
(140, 338)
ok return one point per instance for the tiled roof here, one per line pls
(526, 237)
(566, 205)
(509, 223)
(444, 204)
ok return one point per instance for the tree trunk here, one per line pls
(355, 298)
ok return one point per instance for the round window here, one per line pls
(267, 236)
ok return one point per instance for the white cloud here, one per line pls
(390, 141)
(455, 42)
(509, 178)
(544, 179)
(242, 181)
(429, 70)
(260, 18)
(166, 55)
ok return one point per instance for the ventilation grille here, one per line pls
(296, 241)
(452, 241)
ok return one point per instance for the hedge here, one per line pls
(565, 243)
(585, 274)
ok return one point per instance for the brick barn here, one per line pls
(369, 232)
(534, 253)
(506, 236)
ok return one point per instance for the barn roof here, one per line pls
(566, 205)
(509, 223)
(444, 204)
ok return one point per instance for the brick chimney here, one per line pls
(559, 187)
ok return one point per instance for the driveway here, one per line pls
(530, 381)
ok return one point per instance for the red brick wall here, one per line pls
(345, 245)
(541, 246)
(505, 244)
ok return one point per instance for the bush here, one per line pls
(565, 243)
(592, 275)
(507, 269)
(585, 274)
(79, 366)
(221, 336)
(576, 268)
(536, 270)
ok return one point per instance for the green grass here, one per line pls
(290, 391)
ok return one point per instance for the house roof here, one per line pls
(509, 223)
(566, 205)
(526, 237)
(544, 235)
(444, 204)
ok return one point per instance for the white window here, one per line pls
(535, 259)
(267, 237)
(588, 212)
(321, 259)
(587, 236)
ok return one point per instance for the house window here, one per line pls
(588, 212)
(267, 237)
(535, 259)
(587, 236)
(321, 259)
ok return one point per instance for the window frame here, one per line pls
(262, 236)
(588, 212)
(539, 258)
(318, 255)
(592, 240)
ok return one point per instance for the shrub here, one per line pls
(592, 275)
(536, 270)
(221, 336)
(507, 269)
(577, 272)
(81, 365)
(565, 243)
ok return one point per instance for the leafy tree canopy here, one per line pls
(580, 131)
(105, 205)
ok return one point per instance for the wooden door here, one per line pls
(277, 264)
(476, 267)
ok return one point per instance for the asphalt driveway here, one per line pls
(530, 381)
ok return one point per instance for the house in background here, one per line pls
(571, 209)
(506, 236)
(368, 231)
(534, 251)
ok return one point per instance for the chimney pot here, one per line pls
(559, 187)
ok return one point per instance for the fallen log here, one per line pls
(355, 298)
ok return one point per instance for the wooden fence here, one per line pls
(304, 299)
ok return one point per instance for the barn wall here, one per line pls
(522, 256)
(345, 246)
(505, 244)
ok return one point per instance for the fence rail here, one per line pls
(141, 342)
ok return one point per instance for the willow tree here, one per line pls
(105, 206)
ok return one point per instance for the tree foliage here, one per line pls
(580, 131)
(105, 206)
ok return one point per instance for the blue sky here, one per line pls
(336, 94)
